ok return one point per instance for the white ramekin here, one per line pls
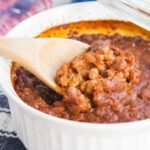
(39, 131)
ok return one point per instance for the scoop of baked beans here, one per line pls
(95, 76)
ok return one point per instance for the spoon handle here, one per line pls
(21, 50)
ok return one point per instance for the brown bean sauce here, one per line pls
(123, 98)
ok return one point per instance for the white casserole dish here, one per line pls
(39, 131)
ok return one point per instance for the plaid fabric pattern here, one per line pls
(14, 15)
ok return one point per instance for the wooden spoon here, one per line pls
(42, 56)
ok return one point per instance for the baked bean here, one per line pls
(93, 74)
(76, 102)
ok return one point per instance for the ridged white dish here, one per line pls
(39, 131)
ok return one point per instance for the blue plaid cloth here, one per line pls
(8, 137)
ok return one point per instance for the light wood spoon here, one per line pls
(42, 56)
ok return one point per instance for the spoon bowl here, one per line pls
(42, 56)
